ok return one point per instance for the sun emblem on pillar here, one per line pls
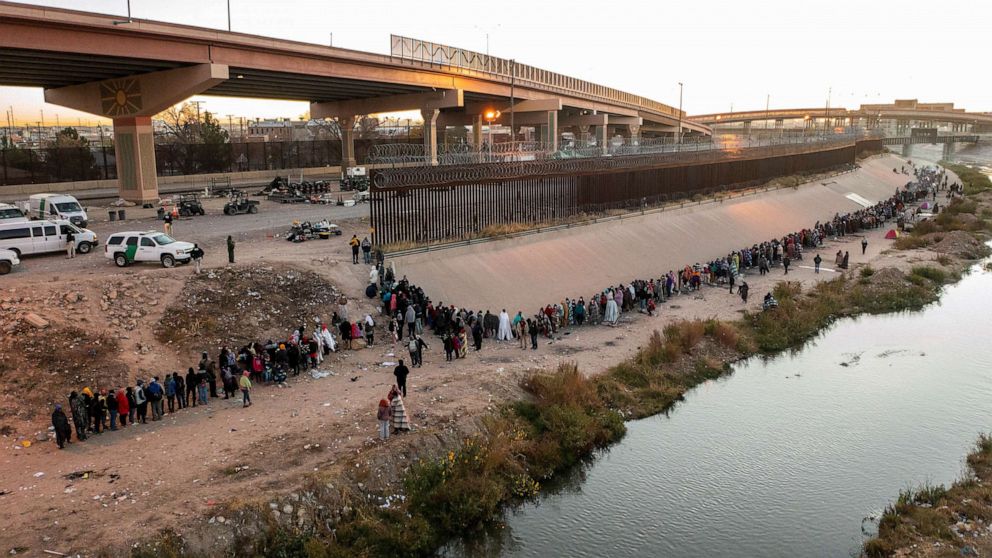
(120, 97)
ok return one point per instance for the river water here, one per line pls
(786, 456)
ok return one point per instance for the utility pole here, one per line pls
(826, 116)
(228, 16)
(197, 105)
(768, 100)
(332, 40)
(679, 131)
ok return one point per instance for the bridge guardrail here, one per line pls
(428, 52)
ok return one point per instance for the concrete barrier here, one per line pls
(169, 183)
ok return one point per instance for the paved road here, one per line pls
(210, 231)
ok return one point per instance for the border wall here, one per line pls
(458, 209)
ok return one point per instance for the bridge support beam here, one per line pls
(602, 137)
(581, 134)
(134, 148)
(907, 150)
(747, 127)
(347, 125)
(948, 151)
(430, 134)
(131, 102)
(549, 130)
(477, 132)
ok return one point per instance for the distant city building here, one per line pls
(279, 130)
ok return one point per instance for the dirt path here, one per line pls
(171, 473)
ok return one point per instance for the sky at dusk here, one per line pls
(728, 54)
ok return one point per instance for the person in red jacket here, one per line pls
(123, 408)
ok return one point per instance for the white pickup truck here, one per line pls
(8, 259)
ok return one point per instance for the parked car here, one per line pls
(57, 206)
(150, 246)
(8, 259)
(11, 214)
(39, 237)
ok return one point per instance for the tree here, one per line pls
(68, 156)
(195, 143)
(366, 127)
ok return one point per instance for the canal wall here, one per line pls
(535, 270)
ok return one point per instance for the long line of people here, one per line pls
(408, 311)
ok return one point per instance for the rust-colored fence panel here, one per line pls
(464, 209)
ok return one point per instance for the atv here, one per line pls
(239, 203)
(189, 205)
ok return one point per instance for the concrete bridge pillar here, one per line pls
(347, 126)
(603, 138)
(581, 134)
(948, 151)
(477, 132)
(549, 131)
(134, 146)
(131, 102)
(430, 134)
(635, 134)
(747, 127)
(907, 150)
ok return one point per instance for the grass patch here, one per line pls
(912, 242)
(671, 363)
(973, 180)
(938, 276)
(800, 316)
(929, 513)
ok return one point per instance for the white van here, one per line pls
(57, 206)
(39, 237)
(11, 214)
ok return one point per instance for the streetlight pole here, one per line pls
(768, 100)
(229, 15)
(679, 132)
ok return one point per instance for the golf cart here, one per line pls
(189, 205)
(239, 203)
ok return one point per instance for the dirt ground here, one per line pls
(120, 487)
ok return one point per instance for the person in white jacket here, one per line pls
(328, 338)
(504, 333)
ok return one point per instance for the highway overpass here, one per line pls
(130, 70)
(901, 115)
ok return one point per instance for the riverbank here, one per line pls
(938, 520)
(218, 476)
(565, 416)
